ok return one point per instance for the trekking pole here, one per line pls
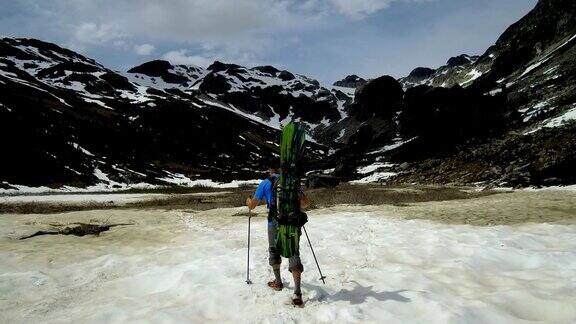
(322, 277)
(248, 258)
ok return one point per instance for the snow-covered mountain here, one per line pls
(350, 81)
(67, 120)
(459, 70)
(532, 62)
(163, 75)
(265, 93)
(505, 116)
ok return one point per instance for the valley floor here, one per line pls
(401, 262)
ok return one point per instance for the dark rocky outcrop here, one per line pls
(381, 97)
(319, 180)
(162, 69)
(267, 69)
(350, 81)
(542, 158)
(215, 83)
(155, 68)
(459, 60)
(286, 76)
(421, 72)
(441, 118)
(218, 66)
(118, 81)
(452, 114)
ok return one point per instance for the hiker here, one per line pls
(265, 191)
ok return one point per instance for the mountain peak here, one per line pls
(350, 81)
(153, 68)
(460, 60)
(421, 72)
(266, 69)
(218, 66)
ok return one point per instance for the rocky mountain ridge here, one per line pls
(73, 122)
(264, 92)
(492, 105)
(350, 81)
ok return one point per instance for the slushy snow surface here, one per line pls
(379, 270)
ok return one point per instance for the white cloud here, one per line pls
(182, 57)
(144, 49)
(193, 21)
(204, 58)
(208, 20)
(241, 27)
(96, 34)
(358, 9)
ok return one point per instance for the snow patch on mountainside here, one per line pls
(80, 148)
(558, 121)
(273, 123)
(108, 185)
(373, 167)
(541, 107)
(397, 143)
(182, 180)
(472, 75)
(140, 96)
(546, 57)
(375, 177)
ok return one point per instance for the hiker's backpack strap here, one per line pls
(273, 204)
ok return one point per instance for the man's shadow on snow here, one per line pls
(357, 295)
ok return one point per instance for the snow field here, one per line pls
(191, 268)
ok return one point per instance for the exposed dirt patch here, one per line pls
(49, 208)
(195, 200)
(368, 194)
(387, 195)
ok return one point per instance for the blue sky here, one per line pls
(323, 39)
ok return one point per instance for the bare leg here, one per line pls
(276, 284)
(276, 269)
(297, 276)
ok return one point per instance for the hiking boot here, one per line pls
(276, 285)
(297, 299)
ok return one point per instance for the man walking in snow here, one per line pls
(266, 192)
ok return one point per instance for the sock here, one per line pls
(277, 274)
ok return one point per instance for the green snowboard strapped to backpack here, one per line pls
(290, 217)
